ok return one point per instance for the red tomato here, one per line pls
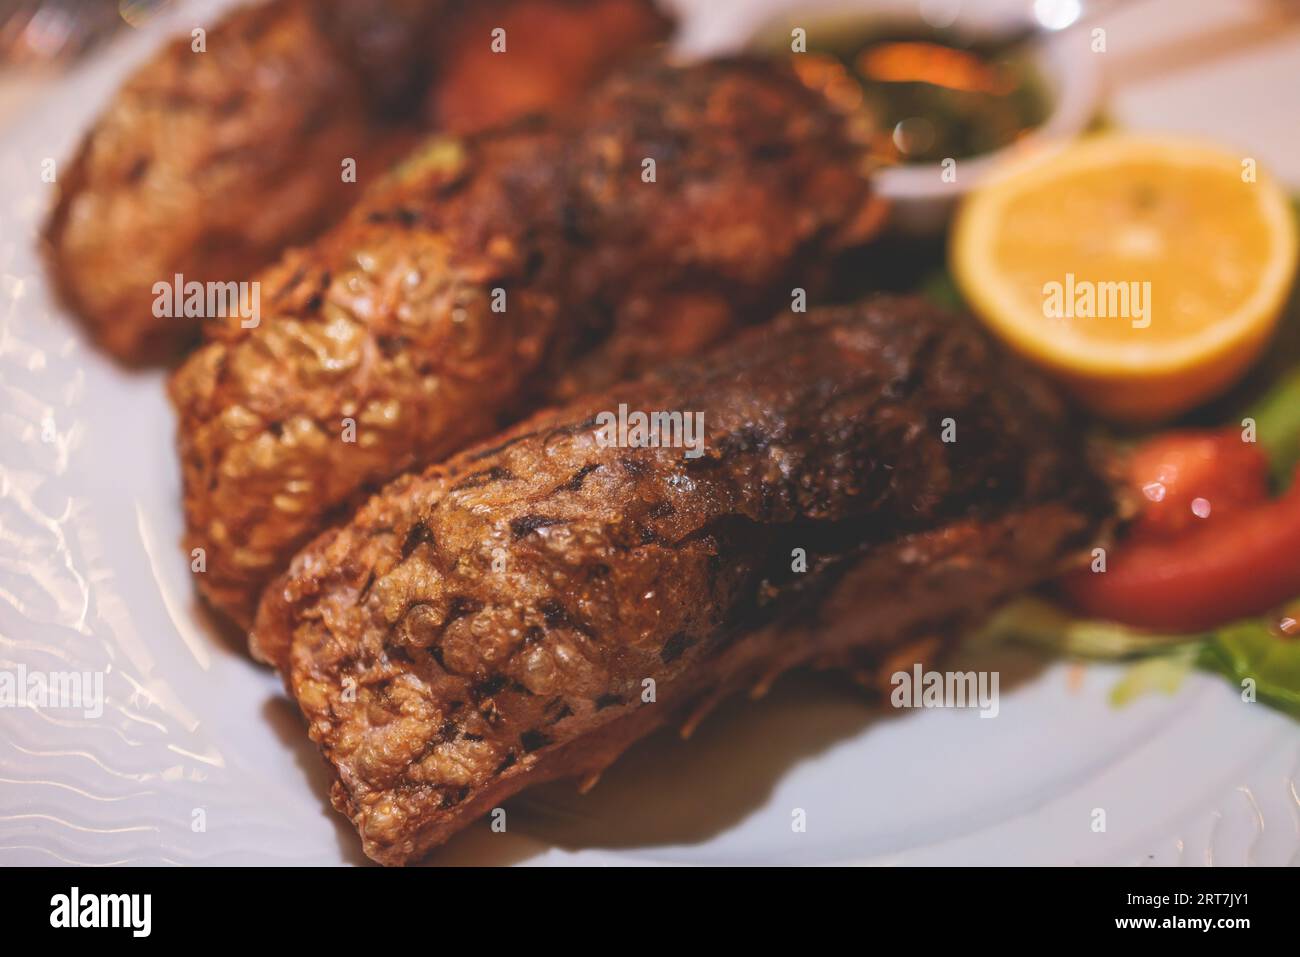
(1213, 574)
(1188, 479)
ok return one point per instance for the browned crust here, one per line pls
(210, 164)
(490, 623)
(388, 320)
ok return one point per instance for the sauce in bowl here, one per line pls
(928, 95)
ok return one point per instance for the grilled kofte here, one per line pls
(494, 272)
(491, 623)
(208, 163)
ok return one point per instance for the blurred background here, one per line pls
(1229, 69)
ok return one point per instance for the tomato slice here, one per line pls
(1215, 573)
(1188, 479)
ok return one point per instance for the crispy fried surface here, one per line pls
(490, 623)
(210, 164)
(388, 321)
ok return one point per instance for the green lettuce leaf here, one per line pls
(1277, 426)
(1163, 674)
(1035, 621)
(1248, 649)
(1251, 650)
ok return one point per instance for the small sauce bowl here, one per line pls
(1066, 77)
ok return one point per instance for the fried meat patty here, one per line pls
(208, 164)
(489, 274)
(495, 621)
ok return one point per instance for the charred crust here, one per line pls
(401, 215)
(673, 648)
(487, 687)
(462, 605)
(575, 481)
(290, 284)
(634, 467)
(570, 429)
(450, 798)
(527, 524)
(483, 478)
(557, 616)
(481, 454)
(744, 441)
(417, 535)
(398, 653)
(533, 740)
(648, 536)
(557, 710)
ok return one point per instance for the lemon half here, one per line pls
(1146, 273)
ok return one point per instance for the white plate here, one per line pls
(198, 757)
